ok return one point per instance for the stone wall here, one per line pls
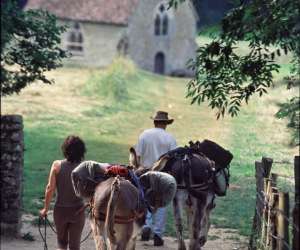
(12, 160)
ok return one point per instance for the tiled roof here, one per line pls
(104, 11)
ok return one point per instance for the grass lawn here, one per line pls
(110, 108)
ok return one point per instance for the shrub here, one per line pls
(113, 82)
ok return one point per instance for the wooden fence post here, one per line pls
(273, 218)
(262, 170)
(264, 220)
(296, 229)
(268, 211)
(267, 165)
(274, 178)
(283, 221)
(271, 188)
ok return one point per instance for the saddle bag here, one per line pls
(215, 152)
(221, 181)
(159, 188)
(86, 176)
(222, 159)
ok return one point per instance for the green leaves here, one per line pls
(29, 47)
(226, 79)
(291, 110)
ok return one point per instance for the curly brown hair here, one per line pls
(73, 148)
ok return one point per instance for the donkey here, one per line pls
(116, 217)
(194, 173)
(119, 204)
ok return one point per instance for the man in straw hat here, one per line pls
(151, 145)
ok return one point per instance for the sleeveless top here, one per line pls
(65, 195)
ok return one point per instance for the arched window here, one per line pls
(162, 8)
(157, 25)
(161, 20)
(75, 39)
(165, 25)
(80, 38)
(72, 37)
(76, 26)
(123, 46)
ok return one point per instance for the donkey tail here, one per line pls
(111, 210)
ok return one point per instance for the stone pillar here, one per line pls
(11, 172)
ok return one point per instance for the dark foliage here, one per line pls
(29, 46)
(226, 79)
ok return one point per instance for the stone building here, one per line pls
(156, 38)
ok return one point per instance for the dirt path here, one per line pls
(219, 239)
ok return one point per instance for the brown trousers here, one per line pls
(69, 225)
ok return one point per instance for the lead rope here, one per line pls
(44, 237)
(45, 234)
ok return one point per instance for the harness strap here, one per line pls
(199, 187)
(194, 189)
(142, 200)
(121, 219)
(118, 219)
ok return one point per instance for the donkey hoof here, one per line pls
(181, 246)
(202, 241)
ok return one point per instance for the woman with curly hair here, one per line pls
(68, 216)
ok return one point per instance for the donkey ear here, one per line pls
(161, 163)
(133, 159)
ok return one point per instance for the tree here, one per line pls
(226, 79)
(29, 46)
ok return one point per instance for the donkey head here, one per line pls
(135, 164)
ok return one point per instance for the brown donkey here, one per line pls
(116, 214)
(119, 205)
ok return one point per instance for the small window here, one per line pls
(72, 37)
(165, 25)
(157, 25)
(76, 26)
(123, 46)
(162, 8)
(80, 38)
(75, 39)
(161, 21)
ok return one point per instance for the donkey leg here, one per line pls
(98, 239)
(178, 209)
(123, 235)
(132, 242)
(205, 223)
(194, 214)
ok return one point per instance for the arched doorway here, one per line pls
(159, 63)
